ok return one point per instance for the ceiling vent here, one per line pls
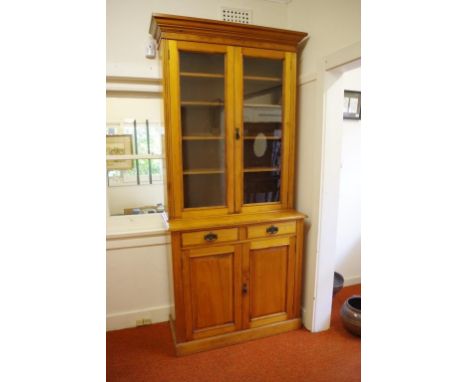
(233, 15)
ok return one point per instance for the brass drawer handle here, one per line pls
(211, 236)
(272, 229)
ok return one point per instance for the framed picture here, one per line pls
(352, 105)
(119, 145)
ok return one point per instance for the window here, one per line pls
(136, 187)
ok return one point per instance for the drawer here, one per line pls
(212, 236)
(271, 229)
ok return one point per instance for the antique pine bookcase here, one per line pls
(229, 109)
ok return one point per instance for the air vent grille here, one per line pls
(233, 15)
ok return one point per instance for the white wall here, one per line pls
(332, 25)
(137, 281)
(348, 242)
(128, 24)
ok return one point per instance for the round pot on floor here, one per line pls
(351, 315)
(338, 282)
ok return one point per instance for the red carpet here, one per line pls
(146, 354)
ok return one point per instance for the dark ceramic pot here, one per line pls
(338, 282)
(351, 315)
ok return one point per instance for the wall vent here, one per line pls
(233, 15)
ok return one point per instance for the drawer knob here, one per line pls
(211, 236)
(272, 229)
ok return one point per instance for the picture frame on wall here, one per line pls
(119, 145)
(352, 104)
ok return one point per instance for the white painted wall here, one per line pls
(128, 24)
(137, 284)
(332, 25)
(348, 241)
(137, 271)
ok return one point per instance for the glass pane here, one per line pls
(201, 62)
(203, 154)
(262, 187)
(263, 125)
(202, 119)
(202, 89)
(204, 190)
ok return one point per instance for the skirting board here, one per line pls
(128, 319)
(352, 280)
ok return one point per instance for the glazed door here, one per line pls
(212, 290)
(201, 128)
(265, 106)
(269, 281)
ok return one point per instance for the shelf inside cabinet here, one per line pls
(203, 171)
(261, 78)
(201, 75)
(201, 103)
(202, 138)
(262, 105)
(273, 138)
(261, 169)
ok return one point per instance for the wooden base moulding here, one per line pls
(204, 344)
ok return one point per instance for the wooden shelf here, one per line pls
(201, 103)
(273, 138)
(261, 169)
(201, 171)
(201, 75)
(262, 105)
(266, 79)
(202, 138)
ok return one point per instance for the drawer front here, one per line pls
(271, 229)
(210, 237)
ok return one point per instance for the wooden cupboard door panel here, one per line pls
(212, 290)
(212, 286)
(268, 281)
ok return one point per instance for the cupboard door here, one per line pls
(212, 290)
(270, 281)
(264, 118)
(203, 142)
